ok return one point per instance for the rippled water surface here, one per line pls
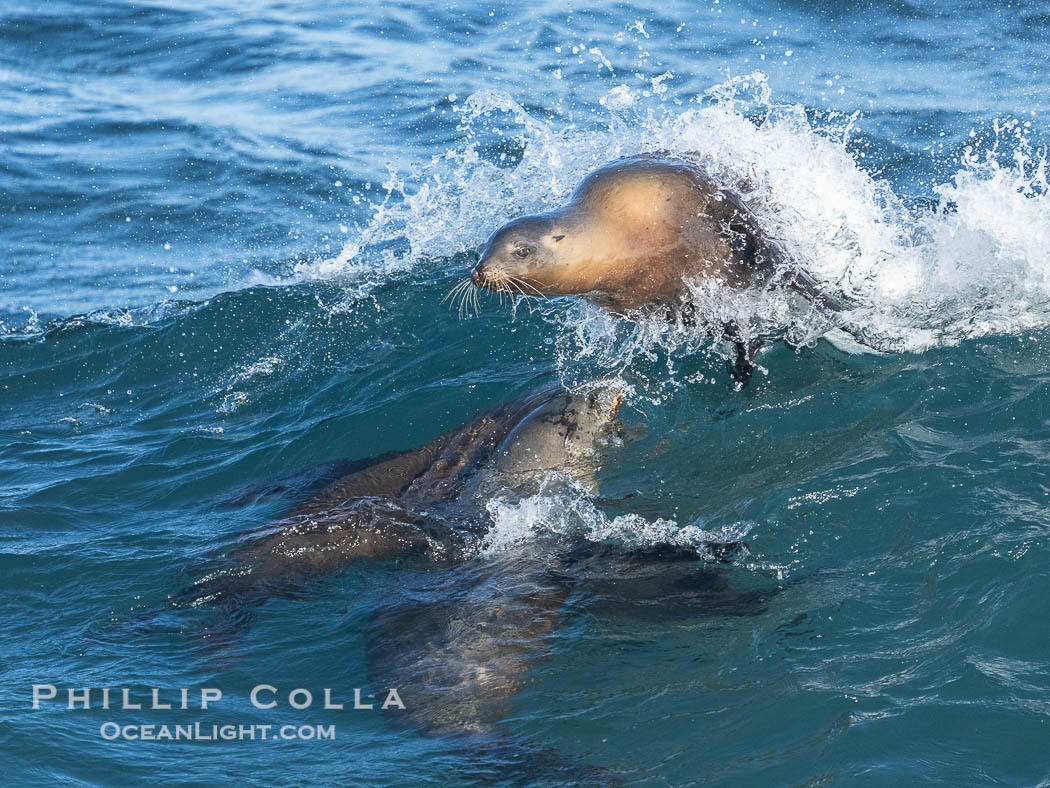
(226, 234)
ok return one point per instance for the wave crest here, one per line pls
(972, 259)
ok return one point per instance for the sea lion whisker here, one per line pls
(455, 289)
(499, 282)
(516, 285)
(523, 283)
(462, 297)
(465, 286)
(470, 301)
(513, 290)
(456, 296)
(453, 295)
(513, 286)
(528, 299)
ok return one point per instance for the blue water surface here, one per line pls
(226, 233)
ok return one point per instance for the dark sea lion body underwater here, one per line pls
(459, 630)
(631, 236)
(422, 502)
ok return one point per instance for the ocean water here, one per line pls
(227, 231)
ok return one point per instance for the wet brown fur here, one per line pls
(633, 231)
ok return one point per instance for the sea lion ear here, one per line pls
(557, 237)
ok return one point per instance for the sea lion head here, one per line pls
(524, 257)
(631, 235)
(561, 434)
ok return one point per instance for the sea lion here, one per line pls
(458, 644)
(458, 658)
(422, 502)
(631, 235)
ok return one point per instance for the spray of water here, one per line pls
(974, 261)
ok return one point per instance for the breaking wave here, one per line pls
(970, 260)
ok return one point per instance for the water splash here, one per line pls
(122, 317)
(976, 262)
(564, 507)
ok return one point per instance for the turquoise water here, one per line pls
(225, 236)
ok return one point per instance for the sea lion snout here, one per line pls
(486, 267)
(477, 276)
(494, 273)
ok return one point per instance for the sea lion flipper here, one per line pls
(459, 648)
(742, 367)
(804, 284)
(847, 334)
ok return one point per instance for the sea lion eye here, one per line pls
(522, 252)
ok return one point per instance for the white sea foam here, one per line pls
(977, 262)
(233, 388)
(565, 507)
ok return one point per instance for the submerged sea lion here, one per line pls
(633, 232)
(458, 658)
(423, 501)
(458, 644)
